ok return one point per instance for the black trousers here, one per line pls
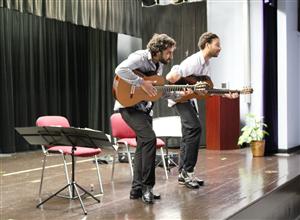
(191, 132)
(144, 159)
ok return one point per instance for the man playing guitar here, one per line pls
(150, 61)
(195, 65)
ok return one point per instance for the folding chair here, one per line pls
(65, 150)
(123, 134)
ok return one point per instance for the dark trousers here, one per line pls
(144, 159)
(191, 132)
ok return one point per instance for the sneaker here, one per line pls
(182, 182)
(189, 180)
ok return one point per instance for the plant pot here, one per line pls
(258, 148)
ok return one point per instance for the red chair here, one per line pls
(65, 150)
(123, 134)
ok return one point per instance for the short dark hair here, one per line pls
(206, 37)
(160, 42)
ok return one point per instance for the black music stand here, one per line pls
(66, 137)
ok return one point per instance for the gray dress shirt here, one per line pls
(141, 60)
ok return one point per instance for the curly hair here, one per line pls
(206, 37)
(160, 42)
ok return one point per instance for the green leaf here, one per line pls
(253, 130)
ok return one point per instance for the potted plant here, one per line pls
(253, 133)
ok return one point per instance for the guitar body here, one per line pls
(191, 80)
(129, 95)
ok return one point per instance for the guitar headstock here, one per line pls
(201, 85)
(246, 90)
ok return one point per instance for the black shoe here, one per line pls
(135, 193)
(148, 196)
(189, 180)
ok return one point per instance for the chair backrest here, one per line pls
(119, 127)
(52, 120)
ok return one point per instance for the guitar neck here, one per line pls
(222, 91)
(170, 88)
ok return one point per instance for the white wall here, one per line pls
(256, 43)
(126, 45)
(288, 75)
(229, 20)
(228, 67)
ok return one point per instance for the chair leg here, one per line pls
(113, 168)
(66, 173)
(164, 161)
(42, 176)
(99, 176)
(129, 160)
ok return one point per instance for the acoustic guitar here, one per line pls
(209, 90)
(129, 95)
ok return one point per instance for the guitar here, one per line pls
(129, 95)
(209, 90)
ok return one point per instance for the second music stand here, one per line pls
(66, 137)
(168, 127)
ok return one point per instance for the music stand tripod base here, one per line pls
(74, 186)
(60, 136)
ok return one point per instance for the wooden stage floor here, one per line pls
(233, 180)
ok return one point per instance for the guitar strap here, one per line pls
(146, 106)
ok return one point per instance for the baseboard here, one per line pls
(290, 150)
